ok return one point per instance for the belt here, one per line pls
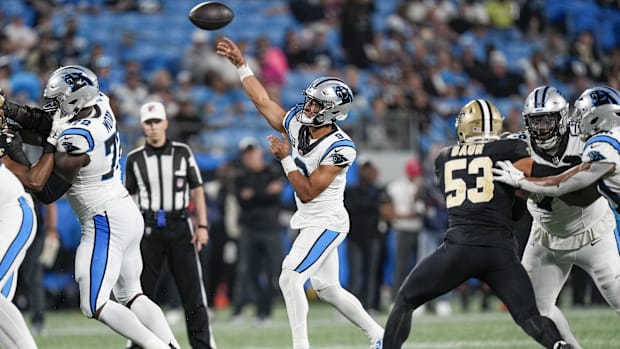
(183, 214)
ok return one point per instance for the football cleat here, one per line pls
(562, 345)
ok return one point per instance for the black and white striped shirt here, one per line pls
(162, 177)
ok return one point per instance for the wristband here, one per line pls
(203, 226)
(244, 71)
(288, 165)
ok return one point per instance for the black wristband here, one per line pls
(203, 226)
(48, 148)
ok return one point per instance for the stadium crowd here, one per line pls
(412, 65)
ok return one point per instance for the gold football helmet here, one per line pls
(478, 121)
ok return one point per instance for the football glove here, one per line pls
(505, 172)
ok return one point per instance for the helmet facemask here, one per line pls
(545, 129)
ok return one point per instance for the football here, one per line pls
(211, 15)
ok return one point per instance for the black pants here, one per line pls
(172, 244)
(364, 259)
(452, 264)
(258, 269)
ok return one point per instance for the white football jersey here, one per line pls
(10, 187)
(100, 180)
(327, 209)
(553, 215)
(605, 147)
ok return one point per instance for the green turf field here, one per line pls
(597, 328)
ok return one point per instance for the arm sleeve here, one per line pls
(35, 121)
(575, 182)
(540, 170)
(54, 188)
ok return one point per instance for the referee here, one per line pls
(163, 175)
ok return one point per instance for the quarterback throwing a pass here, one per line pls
(321, 155)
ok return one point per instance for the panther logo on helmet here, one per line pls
(71, 89)
(596, 110)
(334, 97)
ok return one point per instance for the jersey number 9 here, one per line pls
(456, 188)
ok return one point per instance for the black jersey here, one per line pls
(479, 209)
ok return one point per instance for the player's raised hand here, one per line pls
(227, 48)
(279, 148)
(505, 172)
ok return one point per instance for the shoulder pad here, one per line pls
(602, 146)
(75, 141)
(340, 153)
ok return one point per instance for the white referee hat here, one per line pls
(152, 110)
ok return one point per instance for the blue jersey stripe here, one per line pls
(82, 132)
(611, 196)
(6, 289)
(617, 236)
(604, 139)
(99, 259)
(320, 246)
(341, 143)
(19, 243)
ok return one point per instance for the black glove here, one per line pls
(11, 145)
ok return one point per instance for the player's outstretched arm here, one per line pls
(573, 179)
(271, 110)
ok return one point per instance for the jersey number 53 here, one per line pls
(456, 188)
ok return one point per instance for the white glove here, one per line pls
(49, 252)
(58, 125)
(505, 172)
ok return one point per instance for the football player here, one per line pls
(86, 162)
(479, 241)
(18, 225)
(316, 169)
(563, 235)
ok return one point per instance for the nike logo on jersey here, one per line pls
(595, 241)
